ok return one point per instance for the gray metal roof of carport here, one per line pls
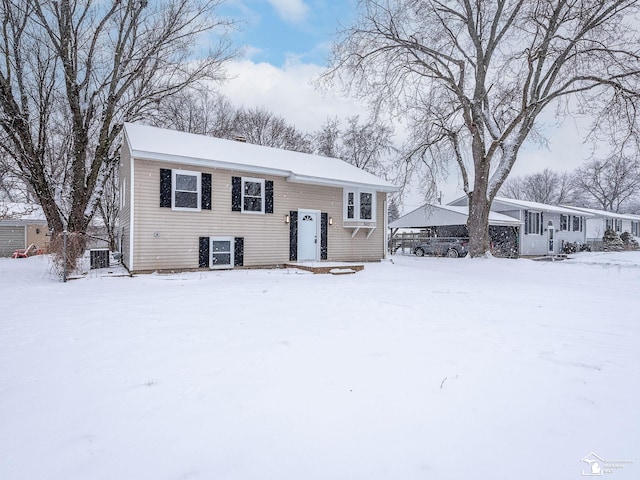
(444, 215)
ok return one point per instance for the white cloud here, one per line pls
(293, 11)
(287, 92)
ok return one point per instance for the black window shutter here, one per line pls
(268, 196)
(542, 226)
(165, 187)
(526, 222)
(203, 253)
(324, 222)
(236, 194)
(238, 251)
(206, 191)
(293, 236)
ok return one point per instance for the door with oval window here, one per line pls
(308, 235)
(550, 233)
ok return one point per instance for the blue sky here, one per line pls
(275, 31)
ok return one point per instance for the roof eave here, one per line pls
(340, 183)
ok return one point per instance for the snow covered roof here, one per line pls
(604, 213)
(160, 144)
(535, 206)
(14, 213)
(438, 215)
(523, 205)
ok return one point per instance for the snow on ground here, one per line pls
(415, 368)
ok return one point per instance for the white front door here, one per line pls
(550, 233)
(307, 235)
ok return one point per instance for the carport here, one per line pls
(448, 221)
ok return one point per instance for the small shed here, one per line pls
(21, 225)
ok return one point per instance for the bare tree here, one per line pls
(199, 111)
(74, 70)
(207, 113)
(609, 184)
(261, 127)
(326, 141)
(109, 208)
(472, 77)
(367, 145)
(548, 187)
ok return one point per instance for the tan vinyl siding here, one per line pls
(167, 239)
(37, 235)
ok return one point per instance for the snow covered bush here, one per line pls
(629, 242)
(612, 242)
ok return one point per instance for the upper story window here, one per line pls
(533, 223)
(252, 195)
(577, 224)
(564, 222)
(351, 205)
(360, 205)
(366, 206)
(186, 190)
(618, 225)
(609, 224)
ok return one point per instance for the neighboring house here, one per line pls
(450, 221)
(601, 221)
(192, 201)
(22, 225)
(546, 228)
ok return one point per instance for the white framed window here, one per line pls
(186, 190)
(360, 205)
(533, 225)
(221, 252)
(351, 205)
(564, 222)
(577, 224)
(635, 229)
(618, 225)
(252, 195)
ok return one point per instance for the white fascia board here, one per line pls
(131, 202)
(340, 183)
(592, 212)
(206, 163)
(535, 206)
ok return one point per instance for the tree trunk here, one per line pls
(479, 207)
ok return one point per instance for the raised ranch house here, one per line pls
(545, 229)
(192, 201)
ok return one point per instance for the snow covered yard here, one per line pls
(419, 368)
